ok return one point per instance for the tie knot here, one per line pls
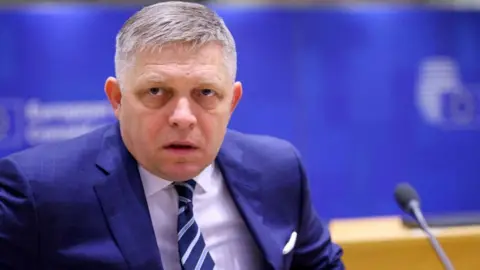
(185, 190)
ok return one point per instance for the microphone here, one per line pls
(408, 200)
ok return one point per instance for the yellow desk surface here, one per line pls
(383, 243)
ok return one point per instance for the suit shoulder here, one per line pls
(265, 146)
(66, 155)
(276, 167)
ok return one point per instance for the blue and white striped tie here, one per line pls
(191, 246)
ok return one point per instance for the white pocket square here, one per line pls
(290, 244)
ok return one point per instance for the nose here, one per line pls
(182, 115)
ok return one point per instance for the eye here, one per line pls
(155, 91)
(207, 92)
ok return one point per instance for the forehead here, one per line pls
(176, 61)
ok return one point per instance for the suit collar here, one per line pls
(243, 180)
(123, 202)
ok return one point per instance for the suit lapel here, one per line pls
(124, 205)
(246, 189)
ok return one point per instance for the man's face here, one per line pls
(174, 108)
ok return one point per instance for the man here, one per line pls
(168, 186)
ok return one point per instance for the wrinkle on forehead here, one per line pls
(181, 53)
(204, 65)
(178, 52)
(183, 56)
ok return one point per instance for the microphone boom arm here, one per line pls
(415, 208)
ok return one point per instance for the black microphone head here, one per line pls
(404, 195)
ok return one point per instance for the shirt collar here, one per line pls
(152, 183)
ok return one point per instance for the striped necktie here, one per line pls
(191, 246)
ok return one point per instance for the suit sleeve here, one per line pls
(314, 248)
(18, 241)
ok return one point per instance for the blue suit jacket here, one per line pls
(79, 204)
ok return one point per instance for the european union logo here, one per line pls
(442, 97)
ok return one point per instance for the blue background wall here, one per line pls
(346, 86)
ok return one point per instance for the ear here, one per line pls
(114, 94)
(237, 95)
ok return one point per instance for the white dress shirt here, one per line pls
(224, 231)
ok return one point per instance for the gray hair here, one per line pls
(172, 22)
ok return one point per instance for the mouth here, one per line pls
(180, 146)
